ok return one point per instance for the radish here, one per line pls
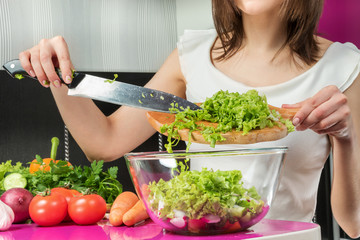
(178, 222)
(209, 218)
(19, 200)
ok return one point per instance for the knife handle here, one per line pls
(15, 70)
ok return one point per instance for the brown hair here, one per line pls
(301, 17)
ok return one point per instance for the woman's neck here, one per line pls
(264, 33)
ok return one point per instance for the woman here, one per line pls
(265, 45)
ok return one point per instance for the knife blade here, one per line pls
(115, 92)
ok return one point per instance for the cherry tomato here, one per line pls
(68, 194)
(48, 210)
(87, 209)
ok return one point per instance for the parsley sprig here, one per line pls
(86, 179)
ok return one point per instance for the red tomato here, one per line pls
(68, 194)
(87, 209)
(48, 210)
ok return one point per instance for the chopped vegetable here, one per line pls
(19, 76)
(111, 81)
(242, 112)
(204, 194)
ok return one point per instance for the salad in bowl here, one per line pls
(207, 192)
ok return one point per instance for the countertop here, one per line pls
(265, 229)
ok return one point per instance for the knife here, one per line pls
(106, 90)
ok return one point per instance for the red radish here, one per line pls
(178, 222)
(19, 200)
(211, 218)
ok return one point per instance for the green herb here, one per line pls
(19, 76)
(84, 179)
(111, 81)
(103, 183)
(242, 112)
(198, 193)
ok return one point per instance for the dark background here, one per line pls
(29, 119)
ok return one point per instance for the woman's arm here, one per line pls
(100, 137)
(345, 194)
(338, 115)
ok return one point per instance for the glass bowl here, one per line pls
(207, 192)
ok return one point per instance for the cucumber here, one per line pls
(14, 180)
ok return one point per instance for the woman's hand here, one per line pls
(40, 61)
(327, 112)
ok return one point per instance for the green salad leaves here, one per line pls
(242, 112)
(198, 193)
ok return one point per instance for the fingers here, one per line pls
(36, 65)
(39, 61)
(63, 57)
(326, 112)
(24, 58)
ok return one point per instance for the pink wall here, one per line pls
(340, 21)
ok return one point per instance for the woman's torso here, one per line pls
(308, 151)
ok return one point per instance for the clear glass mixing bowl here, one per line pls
(209, 192)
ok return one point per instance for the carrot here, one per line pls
(136, 214)
(121, 205)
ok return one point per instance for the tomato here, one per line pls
(232, 227)
(87, 209)
(196, 225)
(48, 210)
(68, 194)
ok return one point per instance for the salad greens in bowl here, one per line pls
(207, 192)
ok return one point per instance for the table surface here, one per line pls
(265, 229)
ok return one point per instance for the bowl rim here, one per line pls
(156, 155)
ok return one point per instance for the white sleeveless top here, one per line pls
(297, 193)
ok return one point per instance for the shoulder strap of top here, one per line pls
(193, 47)
(342, 63)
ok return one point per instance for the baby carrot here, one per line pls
(121, 205)
(136, 214)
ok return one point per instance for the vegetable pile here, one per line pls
(199, 200)
(44, 174)
(242, 112)
(51, 191)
